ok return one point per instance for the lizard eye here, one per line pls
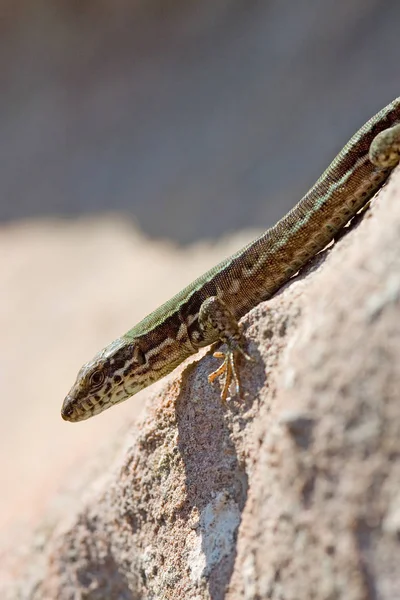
(97, 378)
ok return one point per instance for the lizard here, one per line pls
(208, 310)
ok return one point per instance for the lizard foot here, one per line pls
(229, 368)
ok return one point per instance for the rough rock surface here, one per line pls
(291, 493)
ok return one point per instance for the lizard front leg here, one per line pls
(218, 323)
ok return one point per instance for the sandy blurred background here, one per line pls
(140, 142)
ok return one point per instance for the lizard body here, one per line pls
(208, 310)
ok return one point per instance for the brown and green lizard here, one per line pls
(208, 310)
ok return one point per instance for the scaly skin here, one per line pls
(208, 310)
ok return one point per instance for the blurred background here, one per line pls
(140, 142)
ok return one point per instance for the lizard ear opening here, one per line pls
(138, 355)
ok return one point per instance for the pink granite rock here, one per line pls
(291, 493)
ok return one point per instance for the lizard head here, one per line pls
(101, 382)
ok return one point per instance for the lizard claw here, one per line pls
(229, 368)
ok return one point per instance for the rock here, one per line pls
(291, 492)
